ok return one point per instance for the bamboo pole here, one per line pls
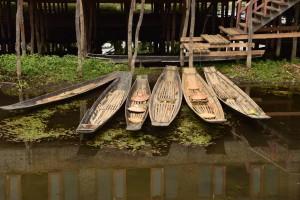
(192, 30)
(129, 33)
(137, 32)
(250, 34)
(184, 30)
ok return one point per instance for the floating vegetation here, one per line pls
(35, 127)
(187, 129)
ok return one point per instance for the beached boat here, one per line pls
(200, 97)
(232, 95)
(107, 104)
(137, 104)
(64, 93)
(166, 97)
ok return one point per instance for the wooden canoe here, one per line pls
(64, 93)
(232, 95)
(200, 97)
(107, 104)
(166, 97)
(137, 104)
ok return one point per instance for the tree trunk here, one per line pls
(137, 32)
(78, 37)
(32, 44)
(18, 39)
(129, 36)
(250, 34)
(22, 29)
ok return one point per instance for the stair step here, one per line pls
(272, 9)
(260, 14)
(256, 21)
(280, 3)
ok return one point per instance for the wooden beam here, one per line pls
(235, 53)
(284, 114)
(212, 46)
(279, 29)
(266, 36)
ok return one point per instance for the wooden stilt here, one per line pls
(184, 29)
(192, 30)
(278, 45)
(295, 40)
(137, 32)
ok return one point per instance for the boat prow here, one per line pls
(63, 94)
(231, 95)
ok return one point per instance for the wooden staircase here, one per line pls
(263, 12)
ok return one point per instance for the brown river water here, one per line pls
(250, 160)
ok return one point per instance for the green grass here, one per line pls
(263, 71)
(42, 70)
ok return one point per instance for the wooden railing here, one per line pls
(243, 9)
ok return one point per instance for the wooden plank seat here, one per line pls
(215, 39)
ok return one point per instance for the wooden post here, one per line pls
(129, 33)
(250, 32)
(279, 41)
(295, 40)
(192, 30)
(137, 32)
(184, 29)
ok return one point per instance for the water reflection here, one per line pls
(61, 172)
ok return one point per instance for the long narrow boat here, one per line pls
(166, 97)
(64, 93)
(200, 97)
(137, 104)
(107, 104)
(232, 95)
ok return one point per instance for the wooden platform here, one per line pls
(215, 39)
(231, 31)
